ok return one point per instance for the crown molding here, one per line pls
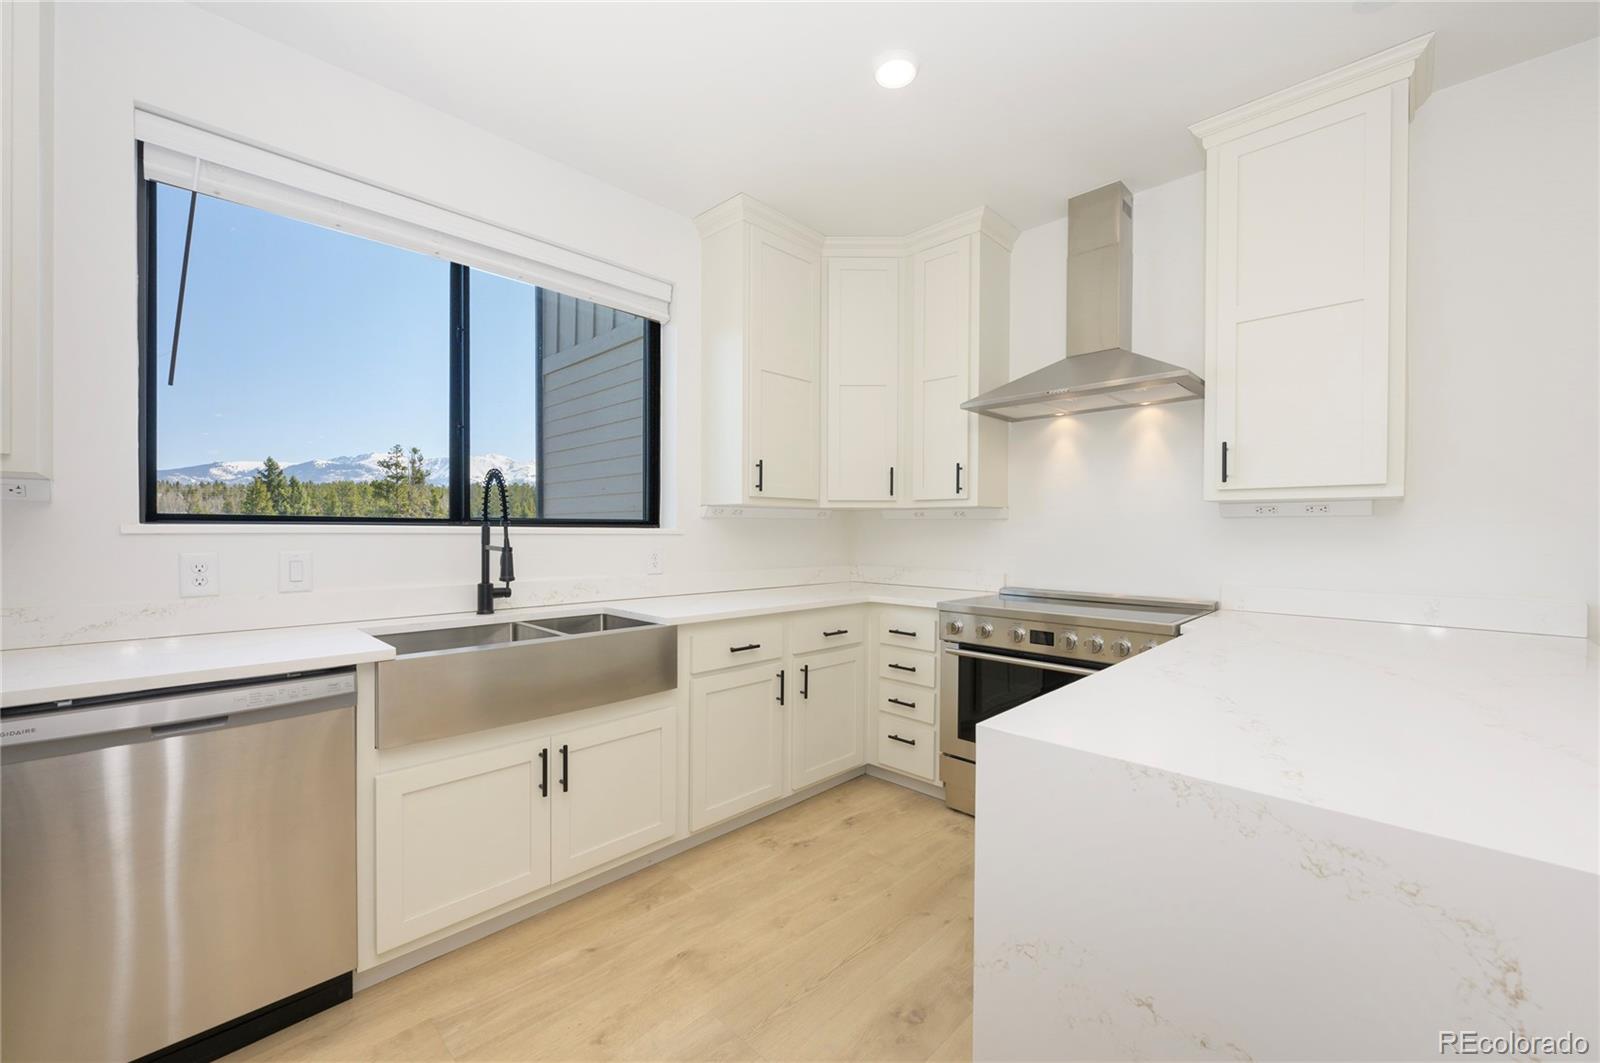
(978, 220)
(746, 208)
(1411, 62)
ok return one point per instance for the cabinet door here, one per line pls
(736, 742)
(1302, 289)
(785, 353)
(613, 790)
(827, 732)
(458, 837)
(941, 327)
(863, 379)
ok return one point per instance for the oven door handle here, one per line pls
(1023, 662)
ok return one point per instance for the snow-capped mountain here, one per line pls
(358, 468)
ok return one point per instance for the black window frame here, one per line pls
(460, 487)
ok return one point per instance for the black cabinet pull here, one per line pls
(903, 741)
(1224, 461)
(761, 473)
(841, 631)
(903, 667)
(741, 649)
(891, 481)
(780, 686)
(563, 779)
(903, 704)
(544, 772)
(907, 634)
(805, 682)
(958, 477)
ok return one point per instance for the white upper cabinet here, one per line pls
(1306, 285)
(913, 327)
(960, 346)
(864, 360)
(762, 311)
(25, 395)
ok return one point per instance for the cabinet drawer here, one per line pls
(911, 628)
(906, 700)
(738, 642)
(906, 666)
(825, 629)
(906, 745)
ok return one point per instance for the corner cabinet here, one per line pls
(762, 322)
(1306, 285)
(911, 327)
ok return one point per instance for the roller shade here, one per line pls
(194, 159)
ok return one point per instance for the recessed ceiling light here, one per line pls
(896, 72)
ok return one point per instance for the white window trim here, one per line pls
(198, 160)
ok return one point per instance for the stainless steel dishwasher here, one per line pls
(177, 869)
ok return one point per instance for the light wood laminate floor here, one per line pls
(840, 928)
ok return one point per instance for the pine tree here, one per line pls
(391, 490)
(297, 500)
(257, 500)
(271, 477)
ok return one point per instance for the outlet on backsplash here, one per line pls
(197, 575)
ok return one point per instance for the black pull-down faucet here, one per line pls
(487, 591)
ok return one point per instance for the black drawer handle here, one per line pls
(906, 634)
(544, 772)
(805, 682)
(1224, 461)
(741, 649)
(563, 779)
(903, 741)
(830, 634)
(902, 667)
(903, 704)
(780, 686)
(761, 471)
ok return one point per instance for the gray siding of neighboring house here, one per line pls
(592, 431)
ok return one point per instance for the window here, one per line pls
(321, 376)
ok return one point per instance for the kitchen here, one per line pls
(704, 780)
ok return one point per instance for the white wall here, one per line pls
(1502, 477)
(72, 571)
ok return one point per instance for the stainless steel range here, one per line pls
(1001, 650)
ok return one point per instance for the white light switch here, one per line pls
(294, 570)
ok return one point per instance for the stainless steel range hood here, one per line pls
(1099, 372)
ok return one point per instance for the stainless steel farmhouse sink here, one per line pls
(449, 681)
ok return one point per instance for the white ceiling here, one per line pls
(1017, 106)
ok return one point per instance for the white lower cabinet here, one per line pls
(457, 837)
(907, 746)
(736, 741)
(615, 791)
(826, 734)
(463, 835)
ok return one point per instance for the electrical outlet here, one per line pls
(22, 489)
(294, 571)
(1267, 510)
(1316, 509)
(197, 575)
(652, 563)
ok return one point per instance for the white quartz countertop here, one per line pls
(60, 673)
(1482, 737)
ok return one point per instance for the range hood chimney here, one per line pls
(1099, 371)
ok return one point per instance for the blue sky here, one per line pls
(303, 342)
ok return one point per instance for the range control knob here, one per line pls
(1070, 640)
(1096, 643)
(985, 629)
(1019, 634)
(1150, 644)
(955, 627)
(1123, 647)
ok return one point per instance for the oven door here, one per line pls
(980, 684)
